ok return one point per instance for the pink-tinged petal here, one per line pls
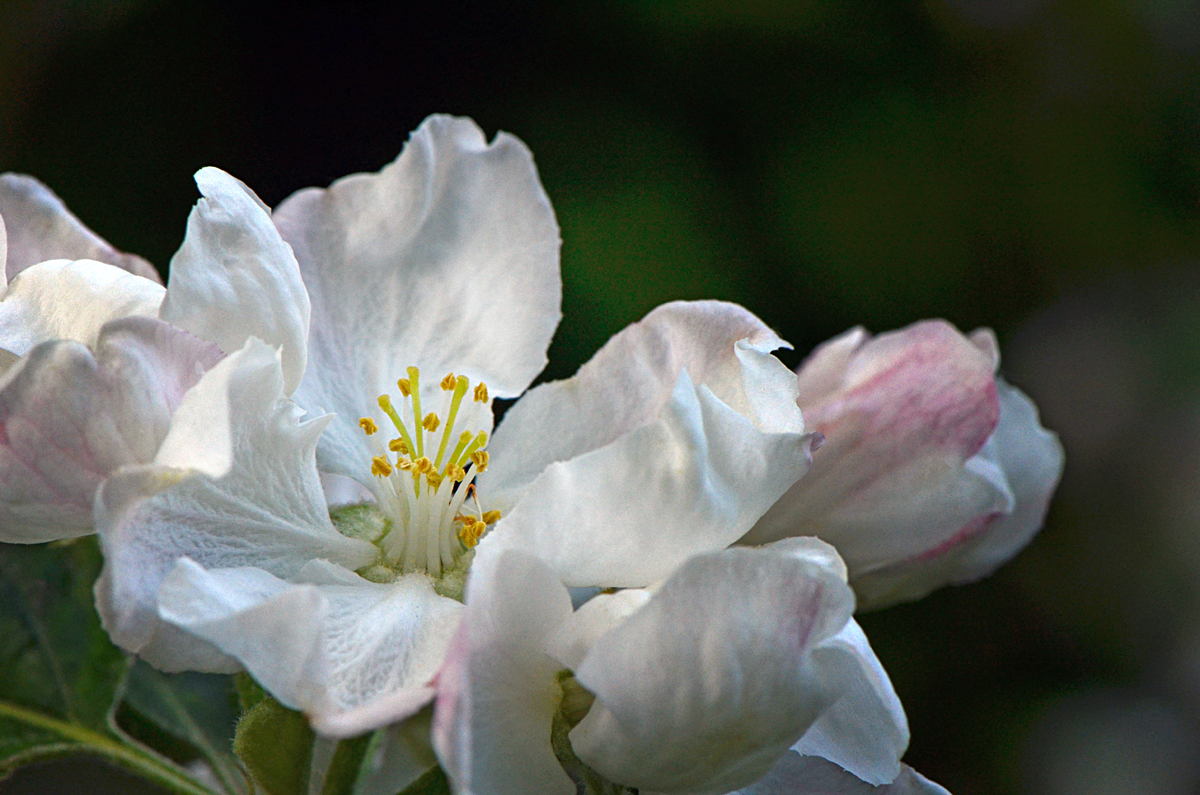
(447, 259)
(1031, 459)
(865, 731)
(707, 685)
(40, 228)
(497, 693)
(234, 277)
(64, 300)
(899, 473)
(69, 417)
(234, 483)
(812, 775)
(672, 440)
(352, 654)
(823, 373)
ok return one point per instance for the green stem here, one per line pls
(126, 756)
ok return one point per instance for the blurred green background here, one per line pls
(1029, 165)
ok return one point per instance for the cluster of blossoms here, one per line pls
(646, 576)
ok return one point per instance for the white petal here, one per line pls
(865, 730)
(1031, 459)
(70, 417)
(811, 775)
(329, 643)
(64, 300)
(40, 228)
(630, 380)
(672, 440)
(3, 251)
(899, 474)
(447, 260)
(234, 277)
(497, 693)
(705, 687)
(268, 511)
(574, 638)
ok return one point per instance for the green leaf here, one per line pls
(275, 743)
(55, 655)
(195, 708)
(345, 766)
(62, 676)
(432, 782)
(249, 692)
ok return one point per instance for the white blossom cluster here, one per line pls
(645, 577)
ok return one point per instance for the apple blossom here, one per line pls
(94, 370)
(445, 261)
(351, 343)
(742, 669)
(934, 469)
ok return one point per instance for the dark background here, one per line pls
(1029, 165)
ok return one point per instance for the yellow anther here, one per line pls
(455, 473)
(471, 533)
(380, 467)
(405, 387)
(490, 517)
(481, 395)
(422, 465)
(368, 425)
(398, 446)
(404, 464)
(431, 422)
(449, 382)
(433, 479)
(480, 457)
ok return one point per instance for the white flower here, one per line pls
(712, 662)
(744, 669)
(683, 429)
(93, 380)
(934, 469)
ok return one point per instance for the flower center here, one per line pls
(426, 480)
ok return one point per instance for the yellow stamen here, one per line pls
(460, 389)
(421, 509)
(414, 378)
(463, 438)
(480, 440)
(385, 403)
